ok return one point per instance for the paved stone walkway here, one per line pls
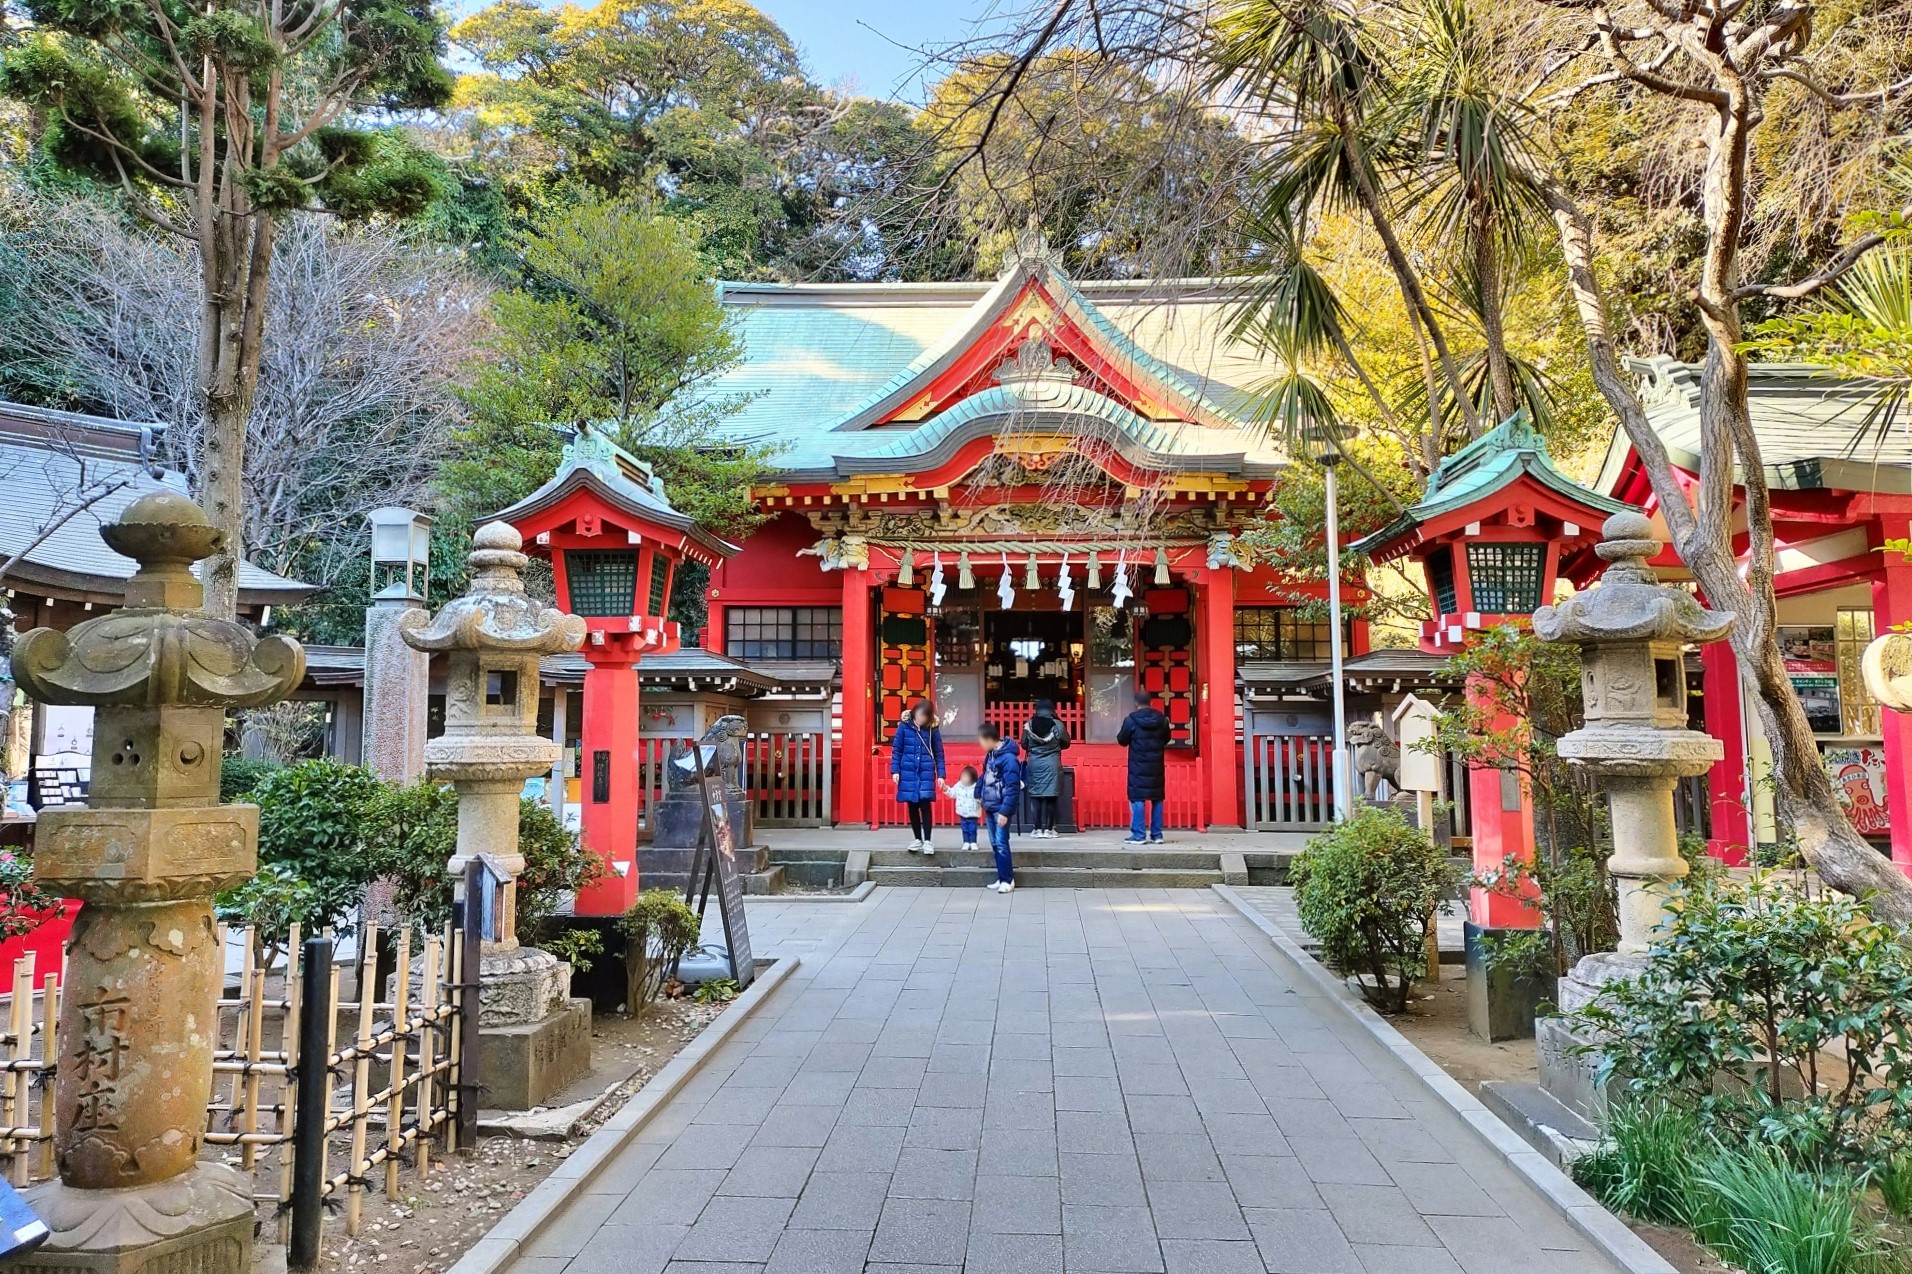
(1060, 1080)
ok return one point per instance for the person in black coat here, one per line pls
(1145, 734)
(1043, 740)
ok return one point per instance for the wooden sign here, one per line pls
(715, 862)
(1415, 720)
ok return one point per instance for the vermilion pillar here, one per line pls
(1502, 814)
(1892, 606)
(859, 678)
(1726, 782)
(1217, 671)
(610, 779)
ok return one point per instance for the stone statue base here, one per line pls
(534, 1040)
(199, 1222)
(666, 861)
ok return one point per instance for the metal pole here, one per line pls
(470, 965)
(314, 1104)
(1343, 787)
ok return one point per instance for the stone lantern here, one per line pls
(1632, 631)
(146, 854)
(493, 637)
(397, 678)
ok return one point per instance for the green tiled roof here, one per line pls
(824, 362)
(1511, 450)
(1811, 425)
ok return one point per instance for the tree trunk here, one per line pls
(236, 254)
(1702, 529)
(1487, 273)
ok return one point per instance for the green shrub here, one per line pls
(716, 991)
(1645, 1165)
(658, 929)
(556, 866)
(1769, 1217)
(271, 903)
(1749, 970)
(239, 775)
(1894, 1179)
(412, 833)
(1368, 889)
(312, 822)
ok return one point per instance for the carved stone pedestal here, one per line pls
(534, 1040)
(199, 1222)
(1565, 1071)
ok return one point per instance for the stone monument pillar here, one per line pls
(535, 1039)
(146, 854)
(397, 676)
(1631, 631)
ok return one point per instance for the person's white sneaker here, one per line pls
(1005, 886)
(994, 886)
(929, 850)
(916, 847)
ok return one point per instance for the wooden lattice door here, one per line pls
(903, 655)
(1165, 653)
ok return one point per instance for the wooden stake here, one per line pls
(361, 1074)
(49, 1050)
(395, 1106)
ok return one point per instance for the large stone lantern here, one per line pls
(492, 638)
(146, 854)
(1632, 632)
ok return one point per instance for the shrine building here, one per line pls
(991, 494)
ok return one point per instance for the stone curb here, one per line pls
(501, 1244)
(1600, 1227)
(858, 894)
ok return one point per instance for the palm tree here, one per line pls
(1311, 69)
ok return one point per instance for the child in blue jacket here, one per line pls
(999, 790)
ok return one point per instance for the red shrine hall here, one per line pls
(991, 495)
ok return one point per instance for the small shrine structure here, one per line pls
(1498, 526)
(615, 544)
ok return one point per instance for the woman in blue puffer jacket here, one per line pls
(916, 765)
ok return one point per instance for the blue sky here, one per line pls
(872, 42)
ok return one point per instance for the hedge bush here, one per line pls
(1368, 889)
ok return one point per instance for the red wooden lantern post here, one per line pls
(1490, 534)
(614, 543)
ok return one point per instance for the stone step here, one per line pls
(959, 877)
(1542, 1120)
(1045, 854)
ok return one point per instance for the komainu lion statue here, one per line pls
(1376, 757)
(723, 755)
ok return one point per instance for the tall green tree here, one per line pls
(1128, 176)
(214, 121)
(619, 324)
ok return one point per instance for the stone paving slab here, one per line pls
(1093, 1081)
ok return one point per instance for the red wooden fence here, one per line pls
(1101, 787)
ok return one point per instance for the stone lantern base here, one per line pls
(1566, 1071)
(534, 1039)
(200, 1222)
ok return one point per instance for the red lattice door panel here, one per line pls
(1165, 651)
(903, 654)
